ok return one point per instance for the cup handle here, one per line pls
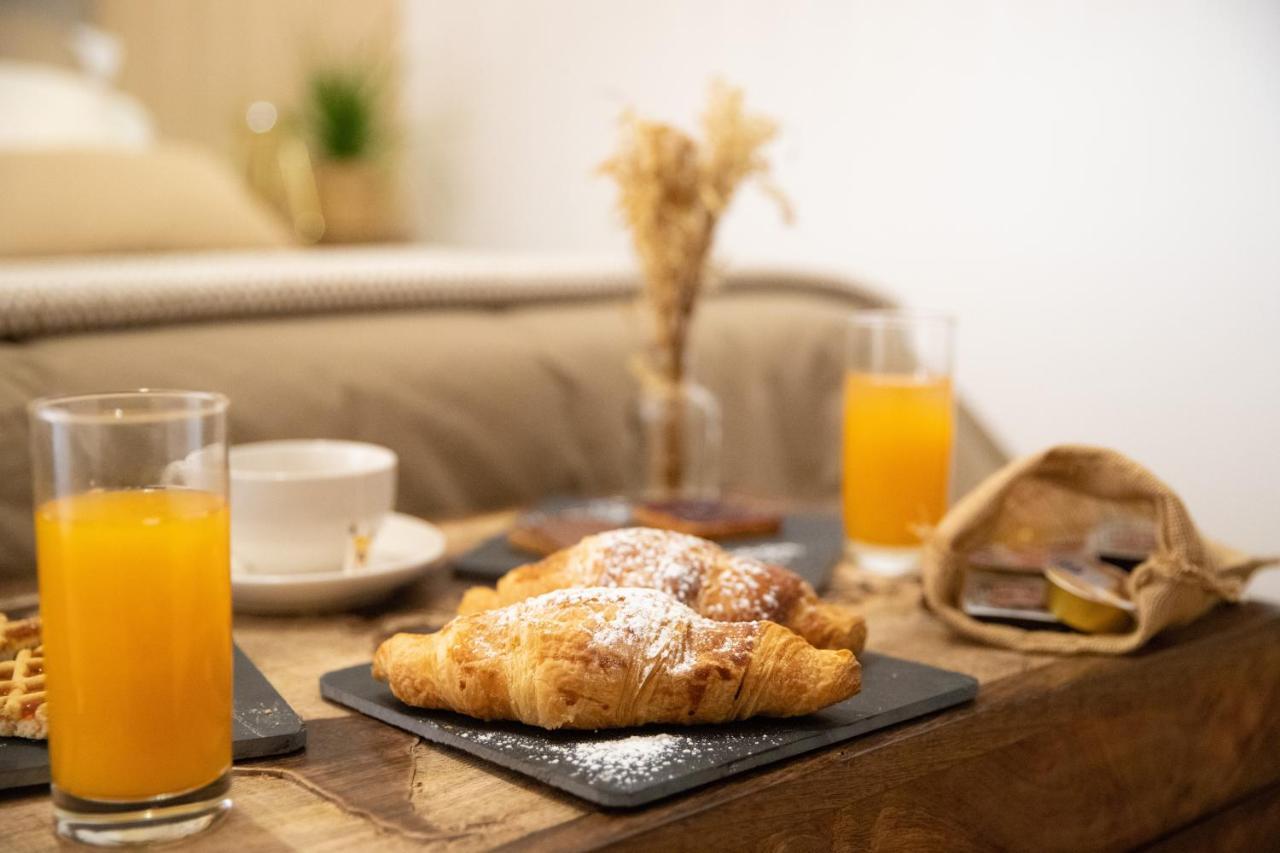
(174, 473)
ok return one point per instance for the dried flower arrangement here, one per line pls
(673, 190)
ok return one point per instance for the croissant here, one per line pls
(606, 658)
(698, 573)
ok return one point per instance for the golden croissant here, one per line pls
(698, 573)
(606, 658)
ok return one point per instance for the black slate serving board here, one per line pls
(262, 724)
(657, 761)
(809, 544)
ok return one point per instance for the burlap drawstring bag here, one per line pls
(1062, 492)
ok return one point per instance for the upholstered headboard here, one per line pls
(89, 294)
(498, 379)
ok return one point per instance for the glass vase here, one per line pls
(676, 429)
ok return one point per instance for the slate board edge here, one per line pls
(30, 777)
(600, 796)
(965, 690)
(262, 746)
(269, 747)
(811, 743)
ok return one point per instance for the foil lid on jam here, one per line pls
(1088, 594)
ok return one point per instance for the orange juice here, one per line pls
(897, 456)
(135, 593)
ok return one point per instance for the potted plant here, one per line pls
(345, 116)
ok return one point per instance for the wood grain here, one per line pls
(1252, 823)
(1056, 754)
(1083, 754)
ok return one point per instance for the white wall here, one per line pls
(1092, 187)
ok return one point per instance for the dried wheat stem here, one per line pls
(672, 191)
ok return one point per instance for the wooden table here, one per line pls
(1178, 747)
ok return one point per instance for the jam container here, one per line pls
(1089, 595)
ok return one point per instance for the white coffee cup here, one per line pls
(308, 505)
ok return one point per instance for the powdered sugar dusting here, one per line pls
(641, 625)
(625, 759)
(778, 553)
(628, 762)
(719, 584)
(746, 586)
(644, 628)
(674, 563)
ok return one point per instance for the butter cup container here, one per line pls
(1088, 595)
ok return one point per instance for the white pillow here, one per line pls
(48, 107)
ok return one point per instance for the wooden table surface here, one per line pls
(1178, 747)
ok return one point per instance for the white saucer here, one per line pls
(404, 548)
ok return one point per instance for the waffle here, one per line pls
(23, 712)
(18, 634)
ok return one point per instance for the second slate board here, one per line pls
(655, 761)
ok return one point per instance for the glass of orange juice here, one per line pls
(898, 425)
(132, 544)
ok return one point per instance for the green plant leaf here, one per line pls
(342, 112)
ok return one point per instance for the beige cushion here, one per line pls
(63, 201)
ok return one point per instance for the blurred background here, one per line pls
(1093, 188)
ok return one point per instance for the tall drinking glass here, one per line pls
(898, 425)
(132, 544)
